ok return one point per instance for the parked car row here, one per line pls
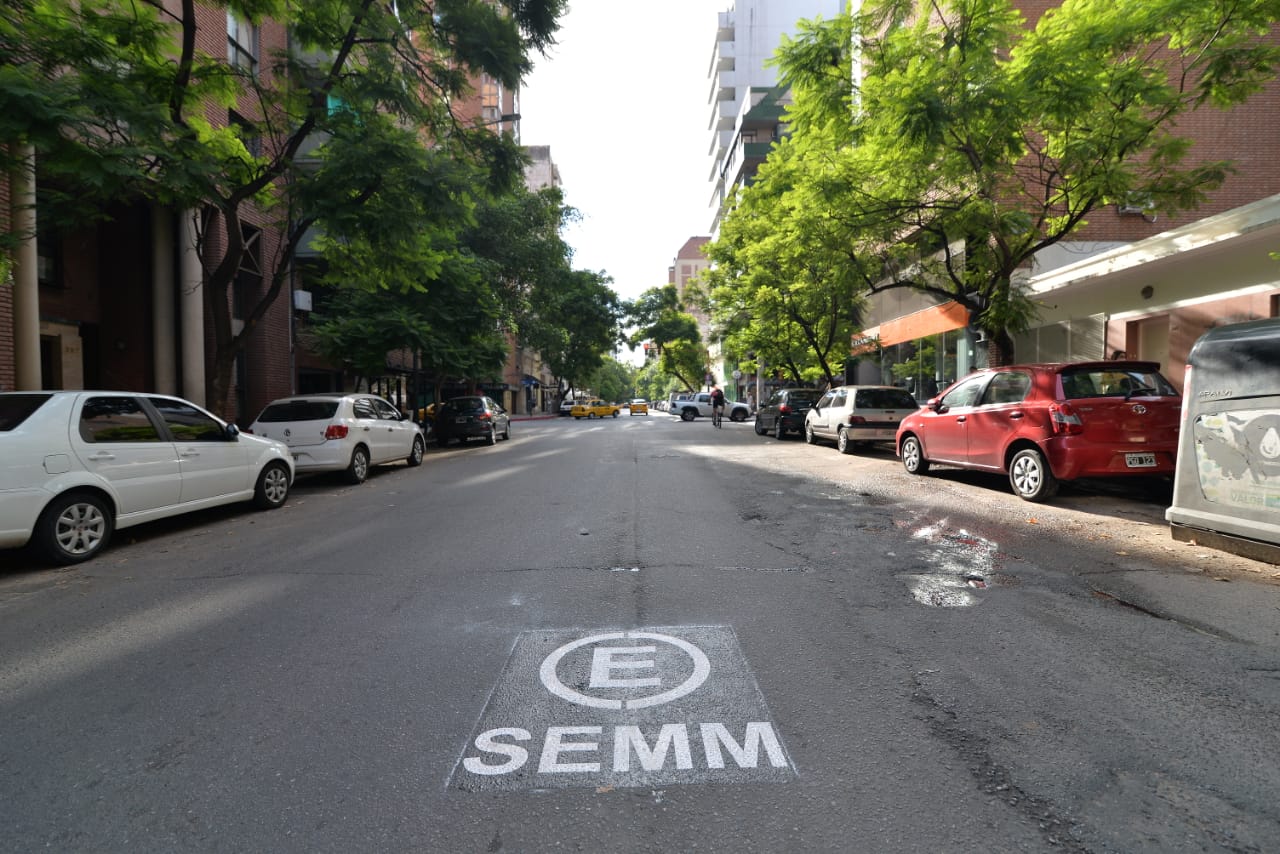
(1040, 424)
(76, 466)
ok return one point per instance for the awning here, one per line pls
(923, 323)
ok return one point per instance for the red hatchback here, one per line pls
(1042, 424)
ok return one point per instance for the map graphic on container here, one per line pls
(1238, 457)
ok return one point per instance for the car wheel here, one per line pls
(272, 487)
(778, 430)
(809, 438)
(415, 455)
(688, 415)
(913, 459)
(492, 437)
(506, 433)
(577, 418)
(73, 528)
(1030, 477)
(760, 428)
(615, 415)
(738, 416)
(358, 468)
(843, 445)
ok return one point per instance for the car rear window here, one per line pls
(803, 397)
(299, 410)
(884, 398)
(1114, 382)
(466, 404)
(16, 408)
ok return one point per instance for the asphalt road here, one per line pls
(639, 634)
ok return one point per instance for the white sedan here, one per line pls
(77, 465)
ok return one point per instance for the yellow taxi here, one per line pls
(594, 409)
(639, 407)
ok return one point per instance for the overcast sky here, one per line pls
(622, 100)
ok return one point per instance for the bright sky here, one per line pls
(622, 101)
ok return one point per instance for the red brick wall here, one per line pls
(8, 364)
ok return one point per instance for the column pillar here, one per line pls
(163, 335)
(191, 312)
(26, 277)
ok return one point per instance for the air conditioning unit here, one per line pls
(302, 300)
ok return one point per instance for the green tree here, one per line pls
(113, 96)
(587, 313)
(973, 143)
(613, 381)
(658, 317)
(786, 285)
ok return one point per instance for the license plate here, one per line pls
(464, 421)
(1140, 461)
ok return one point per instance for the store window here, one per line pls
(242, 43)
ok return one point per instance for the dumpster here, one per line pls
(1226, 489)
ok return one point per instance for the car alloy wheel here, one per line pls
(74, 528)
(809, 438)
(272, 487)
(415, 455)
(358, 468)
(1030, 477)
(913, 459)
(843, 445)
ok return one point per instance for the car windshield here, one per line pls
(299, 410)
(884, 398)
(16, 408)
(1119, 381)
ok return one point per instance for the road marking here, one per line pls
(653, 706)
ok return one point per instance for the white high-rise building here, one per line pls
(747, 35)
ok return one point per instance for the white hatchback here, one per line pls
(345, 432)
(857, 414)
(77, 465)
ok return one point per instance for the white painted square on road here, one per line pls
(635, 707)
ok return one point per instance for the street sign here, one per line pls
(643, 707)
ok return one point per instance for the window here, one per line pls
(248, 283)
(247, 133)
(116, 419)
(186, 423)
(242, 43)
(826, 400)
(363, 408)
(1008, 387)
(386, 411)
(966, 393)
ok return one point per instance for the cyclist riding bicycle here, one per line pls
(717, 405)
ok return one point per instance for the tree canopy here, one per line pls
(350, 129)
(972, 142)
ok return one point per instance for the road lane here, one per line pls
(314, 679)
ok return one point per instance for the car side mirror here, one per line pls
(232, 432)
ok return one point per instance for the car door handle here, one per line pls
(189, 452)
(960, 419)
(1017, 413)
(102, 457)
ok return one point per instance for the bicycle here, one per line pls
(717, 414)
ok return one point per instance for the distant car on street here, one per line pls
(472, 416)
(858, 414)
(345, 432)
(639, 406)
(784, 411)
(595, 409)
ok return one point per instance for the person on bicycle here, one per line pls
(717, 403)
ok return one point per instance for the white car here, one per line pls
(858, 414)
(77, 465)
(345, 432)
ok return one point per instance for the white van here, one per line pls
(1226, 490)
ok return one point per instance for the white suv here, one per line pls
(341, 432)
(77, 465)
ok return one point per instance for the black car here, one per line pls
(784, 411)
(470, 416)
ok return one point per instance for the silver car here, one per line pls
(346, 432)
(856, 414)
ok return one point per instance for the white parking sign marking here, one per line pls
(644, 707)
(604, 660)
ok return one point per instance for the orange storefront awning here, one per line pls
(922, 324)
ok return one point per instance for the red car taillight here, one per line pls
(335, 431)
(1064, 419)
(857, 419)
(484, 416)
(784, 410)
